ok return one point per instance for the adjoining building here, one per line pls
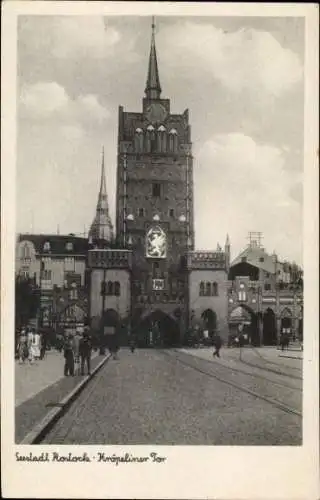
(57, 265)
(264, 295)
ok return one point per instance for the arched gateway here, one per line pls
(157, 329)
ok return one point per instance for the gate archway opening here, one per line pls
(286, 322)
(269, 335)
(245, 316)
(158, 330)
(209, 318)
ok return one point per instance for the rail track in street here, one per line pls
(216, 371)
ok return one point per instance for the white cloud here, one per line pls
(67, 37)
(243, 186)
(49, 100)
(43, 98)
(246, 59)
(83, 36)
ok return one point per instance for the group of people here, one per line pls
(77, 353)
(31, 345)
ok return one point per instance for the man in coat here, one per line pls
(85, 351)
(217, 343)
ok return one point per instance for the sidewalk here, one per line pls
(31, 379)
(41, 388)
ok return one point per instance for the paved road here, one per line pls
(156, 397)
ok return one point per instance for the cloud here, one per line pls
(67, 37)
(250, 189)
(243, 60)
(43, 98)
(50, 101)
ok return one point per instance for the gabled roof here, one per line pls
(58, 243)
(256, 257)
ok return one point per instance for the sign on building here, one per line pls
(157, 284)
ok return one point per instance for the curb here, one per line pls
(39, 430)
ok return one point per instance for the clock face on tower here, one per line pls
(156, 112)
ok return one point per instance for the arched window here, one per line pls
(150, 139)
(109, 288)
(208, 288)
(117, 289)
(138, 141)
(215, 289)
(173, 141)
(201, 289)
(162, 139)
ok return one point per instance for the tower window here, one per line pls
(117, 289)
(215, 289)
(156, 190)
(141, 212)
(171, 212)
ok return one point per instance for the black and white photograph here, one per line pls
(159, 253)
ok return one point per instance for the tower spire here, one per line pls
(101, 227)
(153, 88)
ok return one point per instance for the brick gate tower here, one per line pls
(154, 212)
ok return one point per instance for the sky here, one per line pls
(242, 79)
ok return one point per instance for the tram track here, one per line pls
(213, 373)
(74, 426)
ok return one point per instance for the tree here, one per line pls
(27, 300)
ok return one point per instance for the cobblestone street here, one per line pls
(171, 397)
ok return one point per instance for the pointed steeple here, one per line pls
(227, 241)
(153, 88)
(101, 227)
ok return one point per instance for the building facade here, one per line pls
(57, 267)
(148, 279)
(155, 224)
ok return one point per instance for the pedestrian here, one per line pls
(35, 344)
(43, 343)
(217, 343)
(132, 343)
(29, 344)
(85, 348)
(76, 351)
(68, 356)
(23, 346)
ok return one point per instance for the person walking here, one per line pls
(35, 344)
(76, 351)
(217, 343)
(43, 343)
(30, 347)
(68, 356)
(23, 347)
(85, 348)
